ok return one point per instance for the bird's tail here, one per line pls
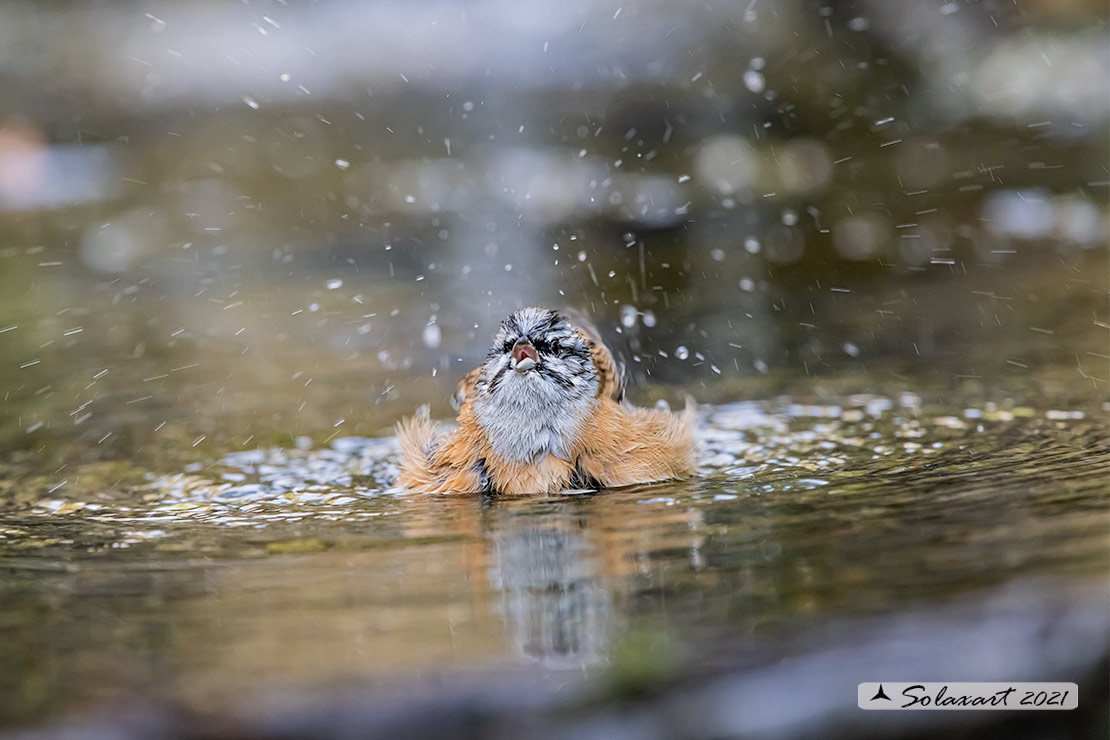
(417, 436)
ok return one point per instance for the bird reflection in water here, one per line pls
(565, 570)
(553, 601)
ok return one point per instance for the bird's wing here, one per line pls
(465, 388)
(610, 370)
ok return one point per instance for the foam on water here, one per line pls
(770, 448)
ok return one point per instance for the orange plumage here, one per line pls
(545, 425)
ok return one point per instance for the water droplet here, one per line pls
(754, 81)
(628, 316)
(432, 336)
(335, 284)
(681, 352)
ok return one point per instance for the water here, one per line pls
(196, 503)
(869, 241)
(299, 569)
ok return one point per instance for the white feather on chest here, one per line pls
(530, 416)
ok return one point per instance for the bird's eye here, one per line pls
(556, 349)
(507, 346)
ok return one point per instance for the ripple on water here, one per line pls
(755, 448)
(797, 511)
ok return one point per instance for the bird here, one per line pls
(543, 414)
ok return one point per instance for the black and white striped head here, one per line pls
(537, 385)
(542, 346)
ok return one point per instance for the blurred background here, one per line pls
(239, 238)
(266, 219)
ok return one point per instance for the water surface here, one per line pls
(240, 241)
(300, 569)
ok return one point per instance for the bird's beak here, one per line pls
(525, 356)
